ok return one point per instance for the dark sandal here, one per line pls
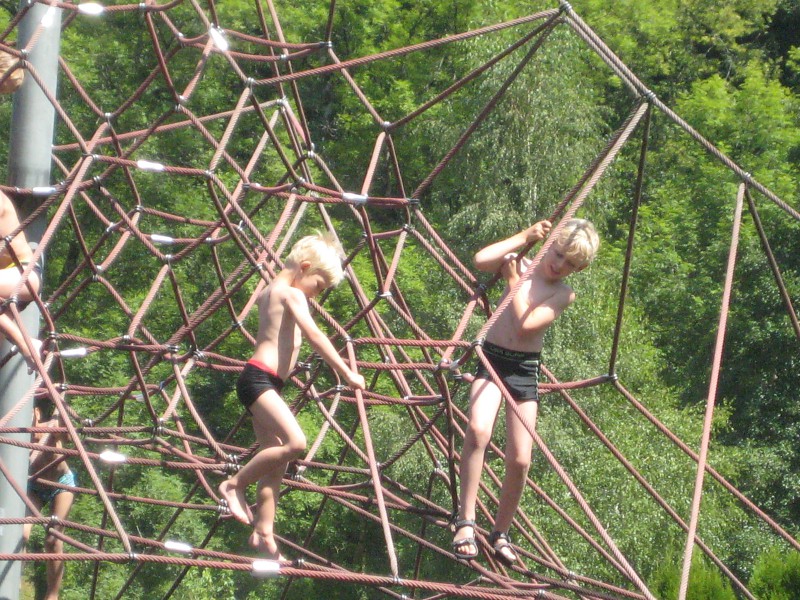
(467, 541)
(501, 544)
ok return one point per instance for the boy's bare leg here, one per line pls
(263, 537)
(61, 505)
(10, 330)
(9, 278)
(26, 528)
(272, 419)
(485, 400)
(519, 446)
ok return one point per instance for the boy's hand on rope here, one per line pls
(356, 381)
(510, 268)
(538, 231)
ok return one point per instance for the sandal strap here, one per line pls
(499, 536)
(500, 542)
(466, 548)
(464, 523)
(464, 542)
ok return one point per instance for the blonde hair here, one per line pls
(14, 80)
(579, 241)
(323, 252)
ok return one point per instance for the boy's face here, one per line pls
(311, 284)
(558, 265)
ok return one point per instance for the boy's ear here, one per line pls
(304, 265)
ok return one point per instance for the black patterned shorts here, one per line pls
(518, 370)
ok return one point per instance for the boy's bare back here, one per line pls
(284, 318)
(279, 336)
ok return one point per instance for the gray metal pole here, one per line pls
(32, 127)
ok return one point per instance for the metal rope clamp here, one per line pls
(356, 199)
(232, 466)
(51, 522)
(222, 507)
(158, 428)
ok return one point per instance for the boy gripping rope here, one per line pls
(513, 346)
(314, 264)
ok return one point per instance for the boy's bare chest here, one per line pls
(537, 293)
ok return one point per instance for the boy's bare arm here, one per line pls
(37, 457)
(492, 257)
(297, 304)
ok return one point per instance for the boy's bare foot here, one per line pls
(237, 503)
(265, 545)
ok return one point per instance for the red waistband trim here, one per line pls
(259, 365)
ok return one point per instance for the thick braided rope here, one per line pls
(712, 394)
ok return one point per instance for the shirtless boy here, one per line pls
(60, 500)
(513, 346)
(314, 264)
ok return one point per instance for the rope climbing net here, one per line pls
(177, 283)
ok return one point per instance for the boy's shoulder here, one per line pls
(564, 293)
(559, 292)
(279, 292)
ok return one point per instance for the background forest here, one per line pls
(730, 69)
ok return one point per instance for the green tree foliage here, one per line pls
(672, 44)
(705, 582)
(776, 575)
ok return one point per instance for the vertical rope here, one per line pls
(712, 394)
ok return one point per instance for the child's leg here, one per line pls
(485, 400)
(26, 528)
(275, 424)
(269, 486)
(9, 329)
(61, 505)
(519, 446)
(9, 278)
(263, 537)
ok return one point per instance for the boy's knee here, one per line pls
(296, 445)
(480, 434)
(29, 291)
(518, 465)
(52, 544)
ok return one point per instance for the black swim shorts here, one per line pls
(256, 378)
(518, 370)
